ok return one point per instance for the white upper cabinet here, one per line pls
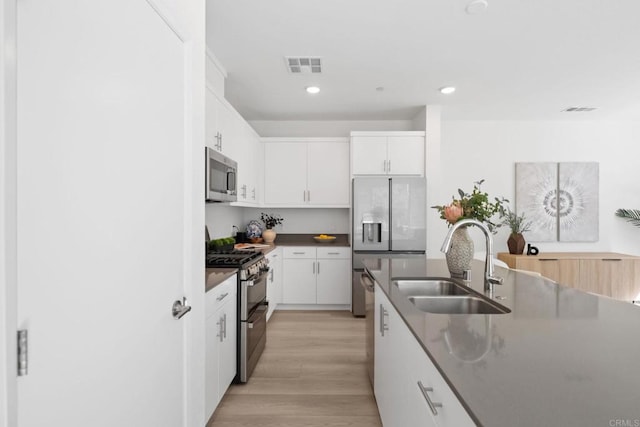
(387, 153)
(285, 173)
(306, 172)
(328, 173)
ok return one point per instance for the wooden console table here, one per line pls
(606, 273)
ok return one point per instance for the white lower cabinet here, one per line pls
(316, 275)
(409, 389)
(274, 280)
(220, 352)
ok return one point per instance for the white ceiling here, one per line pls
(519, 60)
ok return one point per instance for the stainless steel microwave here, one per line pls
(220, 182)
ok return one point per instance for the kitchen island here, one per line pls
(560, 357)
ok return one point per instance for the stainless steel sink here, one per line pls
(430, 287)
(457, 304)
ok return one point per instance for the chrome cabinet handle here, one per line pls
(224, 322)
(223, 296)
(333, 253)
(253, 195)
(220, 326)
(308, 195)
(318, 267)
(432, 405)
(298, 253)
(180, 308)
(383, 325)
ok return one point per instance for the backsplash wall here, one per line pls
(220, 218)
(304, 220)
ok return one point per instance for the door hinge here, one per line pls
(23, 351)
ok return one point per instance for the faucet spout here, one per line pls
(489, 272)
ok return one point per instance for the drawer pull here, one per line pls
(333, 253)
(548, 259)
(383, 325)
(432, 405)
(612, 259)
(299, 253)
(223, 296)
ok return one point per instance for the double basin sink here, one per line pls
(446, 296)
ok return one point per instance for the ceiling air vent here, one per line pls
(304, 65)
(578, 109)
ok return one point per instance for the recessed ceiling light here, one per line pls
(476, 7)
(313, 89)
(447, 90)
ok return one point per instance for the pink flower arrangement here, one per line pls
(474, 205)
(453, 212)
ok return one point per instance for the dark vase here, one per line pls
(516, 243)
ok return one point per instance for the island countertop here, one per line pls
(561, 357)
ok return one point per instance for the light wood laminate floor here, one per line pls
(311, 374)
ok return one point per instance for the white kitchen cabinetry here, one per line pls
(306, 172)
(333, 270)
(387, 153)
(250, 163)
(274, 280)
(409, 389)
(316, 275)
(220, 127)
(220, 353)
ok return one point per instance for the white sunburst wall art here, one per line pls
(560, 199)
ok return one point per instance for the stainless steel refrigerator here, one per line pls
(388, 219)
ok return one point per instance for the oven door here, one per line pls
(253, 339)
(253, 293)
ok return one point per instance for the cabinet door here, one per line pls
(328, 173)
(211, 119)
(369, 155)
(227, 127)
(405, 155)
(227, 360)
(625, 284)
(563, 271)
(285, 175)
(299, 284)
(333, 284)
(212, 360)
(274, 281)
(387, 373)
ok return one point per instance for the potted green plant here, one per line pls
(270, 221)
(517, 225)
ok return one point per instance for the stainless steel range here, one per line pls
(252, 305)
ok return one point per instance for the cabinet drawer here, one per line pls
(299, 252)
(220, 295)
(334, 252)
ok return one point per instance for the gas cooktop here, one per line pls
(232, 258)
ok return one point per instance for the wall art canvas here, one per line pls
(536, 188)
(560, 199)
(578, 202)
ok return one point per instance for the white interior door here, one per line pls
(101, 214)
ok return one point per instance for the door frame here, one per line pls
(8, 214)
(187, 24)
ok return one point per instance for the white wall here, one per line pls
(474, 150)
(220, 218)
(305, 220)
(326, 128)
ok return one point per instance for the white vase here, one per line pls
(269, 235)
(460, 254)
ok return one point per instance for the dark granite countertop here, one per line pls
(307, 240)
(215, 276)
(562, 357)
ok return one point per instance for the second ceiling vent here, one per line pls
(304, 65)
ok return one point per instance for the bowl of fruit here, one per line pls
(324, 238)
